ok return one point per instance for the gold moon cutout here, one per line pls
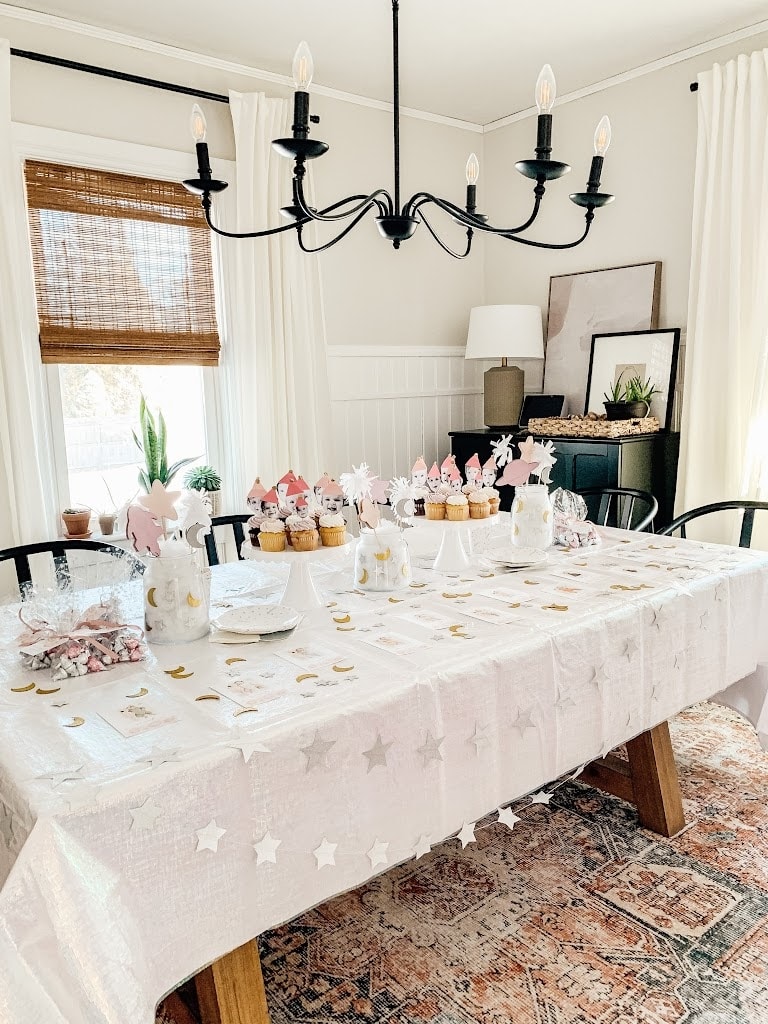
(343, 668)
(193, 602)
(395, 600)
(76, 722)
(182, 675)
(555, 607)
(546, 515)
(342, 618)
(46, 692)
(244, 711)
(404, 570)
(382, 556)
(173, 671)
(231, 661)
(306, 675)
(151, 596)
(208, 696)
(517, 529)
(364, 577)
(519, 505)
(22, 689)
(143, 691)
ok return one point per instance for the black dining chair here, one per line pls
(617, 507)
(237, 523)
(747, 522)
(62, 567)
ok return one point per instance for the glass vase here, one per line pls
(532, 519)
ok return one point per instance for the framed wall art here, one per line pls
(594, 302)
(650, 355)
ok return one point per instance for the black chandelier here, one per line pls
(395, 220)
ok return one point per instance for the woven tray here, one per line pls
(585, 426)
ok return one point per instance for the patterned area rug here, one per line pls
(578, 916)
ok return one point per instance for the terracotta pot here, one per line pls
(76, 523)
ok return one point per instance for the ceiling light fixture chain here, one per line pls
(397, 222)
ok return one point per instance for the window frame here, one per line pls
(31, 142)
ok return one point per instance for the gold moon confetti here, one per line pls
(193, 602)
(364, 577)
(418, 586)
(141, 693)
(531, 583)
(456, 629)
(343, 668)
(331, 604)
(517, 604)
(208, 696)
(306, 675)
(555, 607)
(244, 711)
(76, 722)
(173, 671)
(404, 570)
(22, 689)
(346, 629)
(151, 596)
(446, 594)
(395, 600)
(231, 661)
(486, 575)
(382, 556)
(46, 692)
(342, 618)
(463, 636)
(182, 675)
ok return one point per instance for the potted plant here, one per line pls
(153, 444)
(76, 521)
(107, 518)
(630, 401)
(206, 479)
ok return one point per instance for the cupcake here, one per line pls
(457, 508)
(479, 506)
(469, 488)
(332, 529)
(435, 506)
(272, 535)
(253, 525)
(493, 499)
(302, 533)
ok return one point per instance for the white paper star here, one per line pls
(599, 678)
(377, 754)
(655, 695)
(507, 817)
(56, 778)
(541, 797)
(704, 620)
(247, 745)
(208, 837)
(145, 815)
(325, 854)
(159, 755)
(422, 847)
(564, 701)
(721, 594)
(317, 752)
(679, 660)
(631, 648)
(430, 751)
(479, 738)
(266, 849)
(467, 834)
(378, 853)
(523, 720)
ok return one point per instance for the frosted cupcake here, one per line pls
(272, 535)
(493, 499)
(302, 533)
(434, 506)
(479, 506)
(332, 529)
(457, 508)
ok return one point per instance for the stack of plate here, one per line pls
(252, 622)
(512, 557)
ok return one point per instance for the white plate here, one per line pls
(261, 618)
(519, 558)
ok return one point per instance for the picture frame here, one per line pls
(613, 299)
(647, 354)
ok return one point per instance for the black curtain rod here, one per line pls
(121, 76)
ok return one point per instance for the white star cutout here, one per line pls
(430, 751)
(599, 678)
(159, 755)
(378, 853)
(679, 660)
(56, 778)
(564, 701)
(6, 826)
(721, 594)
(208, 837)
(523, 720)
(479, 738)
(377, 754)
(422, 847)
(467, 834)
(541, 797)
(247, 745)
(631, 648)
(325, 854)
(266, 849)
(507, 817)
(144, 816)
(317, 752)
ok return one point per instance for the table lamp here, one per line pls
(504, 332)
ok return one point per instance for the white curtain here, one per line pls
(26, 493)
(277, 412)
(725, 413)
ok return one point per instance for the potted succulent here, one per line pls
(206, 479)
(153, 443)
(630, 401)
(107, 519)
(76, 521)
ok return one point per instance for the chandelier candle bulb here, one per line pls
(199, 128)
(473, 173)
(303, 70)
(602, 142)
(546, 90)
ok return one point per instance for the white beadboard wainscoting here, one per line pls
(392, 404)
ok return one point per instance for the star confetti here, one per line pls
(378, 853)
(266, 849)
(430, 751)
(631, 648)
(247, 745)
(422, 847)
(377, 754)
(523, 720)
(144, 816)
(325, 854)
(467, 834)
(479, 738)
(507, 817)
(317, 752)
(208, 837)
(541, 797)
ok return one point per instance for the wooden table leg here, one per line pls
(648, 779)
(231, 991)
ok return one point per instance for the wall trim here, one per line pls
(218, 64)
(627, 76)
(395, 351)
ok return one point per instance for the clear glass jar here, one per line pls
(175, 599)
(532, 519)
(382, 560)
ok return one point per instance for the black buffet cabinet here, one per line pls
(647, 463)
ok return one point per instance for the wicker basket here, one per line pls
(590, 426)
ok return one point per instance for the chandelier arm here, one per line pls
(338, 238)
(589, 217)
(421, 198)
(322, 215)
(241, 234)
(441, 243)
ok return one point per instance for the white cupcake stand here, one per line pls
(300, 591)
(455, 552)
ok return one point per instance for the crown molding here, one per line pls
(638, 72)
(218, 64)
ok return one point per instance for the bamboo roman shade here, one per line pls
(123, 268)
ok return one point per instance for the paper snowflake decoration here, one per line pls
(502, 450)
(402, 494)
(544, 456)
(358, 484)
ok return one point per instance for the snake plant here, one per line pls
(153, 445)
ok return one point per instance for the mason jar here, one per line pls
(175, 599)
(532, 518)
(382, 560)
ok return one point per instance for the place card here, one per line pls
(489, 613)
(310, 654)
(393, 643)
(427, 618)
(135, 716)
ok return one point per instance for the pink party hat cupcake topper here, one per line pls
(433, 478)
(419, 472)
(489, 473)
(255, 496)
(270, 505)
(449, 463)
(473, 470)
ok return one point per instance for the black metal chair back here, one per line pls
(58, 548)
(237, 523)
(617, 507)
(747, 522)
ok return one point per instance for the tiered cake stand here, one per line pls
(300, 591)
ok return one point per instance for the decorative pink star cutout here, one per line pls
(526, 449)
(160, 502)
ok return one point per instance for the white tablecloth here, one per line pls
(127, 864)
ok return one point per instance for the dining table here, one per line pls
(157, 817)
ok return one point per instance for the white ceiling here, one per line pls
(472, 59)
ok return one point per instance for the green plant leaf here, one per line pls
(162, 442)
(174, 469)
(144, 481)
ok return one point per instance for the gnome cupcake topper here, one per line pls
(419, 472)
(449, 463)
(255, 496)
(433, 478)
(473, 470)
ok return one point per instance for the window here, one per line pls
(124, 284)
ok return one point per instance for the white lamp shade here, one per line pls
(505, 331)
